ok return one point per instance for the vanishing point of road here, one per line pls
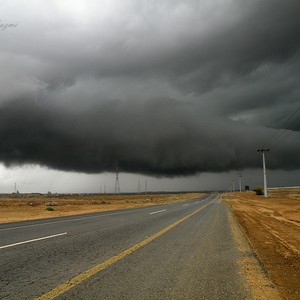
(177, 251)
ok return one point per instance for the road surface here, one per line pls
(178, 251)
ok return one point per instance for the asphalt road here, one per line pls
(178, 251)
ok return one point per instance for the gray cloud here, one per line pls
(165, 89)
(159, 137)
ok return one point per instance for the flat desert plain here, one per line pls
(19, 207)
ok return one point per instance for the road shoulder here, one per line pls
(251, 268)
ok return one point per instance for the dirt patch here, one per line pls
(261, 285)
(273, 228)
(14, 208)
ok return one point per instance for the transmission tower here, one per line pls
(117, 185)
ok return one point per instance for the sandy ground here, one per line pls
(20, 207)
(272, 226)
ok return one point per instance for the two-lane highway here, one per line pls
(178, 251)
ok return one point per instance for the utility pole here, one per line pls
(233, 187)
(264, 170)
(139, 188)
(240, 181)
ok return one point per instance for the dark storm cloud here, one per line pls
(138, 137)
(171, 88)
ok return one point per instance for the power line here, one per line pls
(286, 122)
(279, 135)
(288, 130)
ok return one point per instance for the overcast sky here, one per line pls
(178, 93)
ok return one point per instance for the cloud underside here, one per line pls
(165, 90)
(158, 138)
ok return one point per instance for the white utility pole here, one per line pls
(264, 170)
(240, 181)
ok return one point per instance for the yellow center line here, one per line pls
(71, 283)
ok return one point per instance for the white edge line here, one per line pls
(156, 212)
(34, 240)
